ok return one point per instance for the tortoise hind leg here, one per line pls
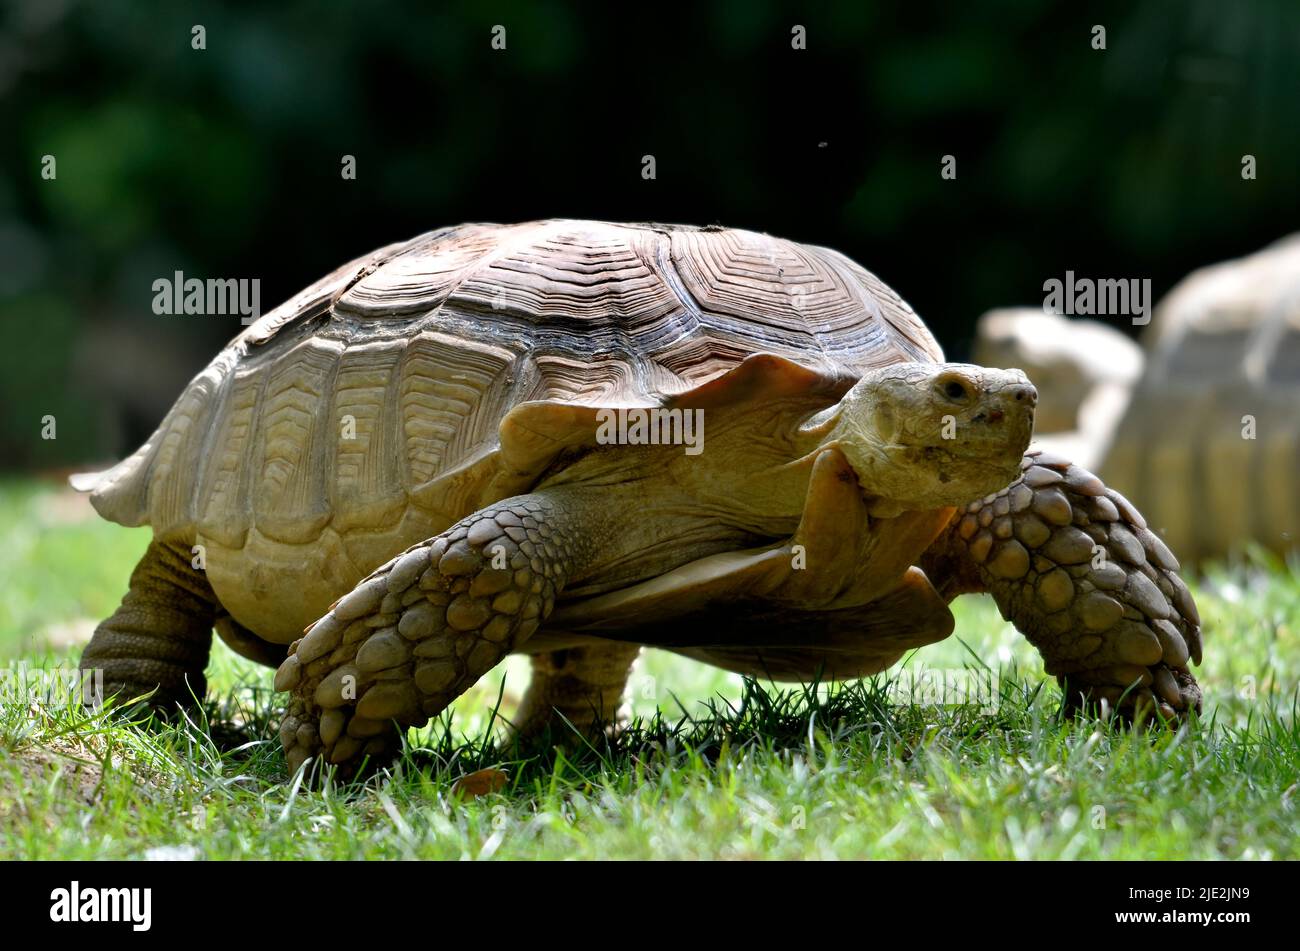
(1074, 567)
(581, 685)
(159, 637)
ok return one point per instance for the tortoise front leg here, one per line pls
(158, 639)
(422, 629)
(1072, 564)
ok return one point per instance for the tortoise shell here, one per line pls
(1207, 447)
(365, 413)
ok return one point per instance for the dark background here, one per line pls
(225, 162)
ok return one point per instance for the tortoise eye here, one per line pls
(954, 390)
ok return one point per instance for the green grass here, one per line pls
(712, 766)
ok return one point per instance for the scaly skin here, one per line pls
(423, 628)
(160, 635)
(1072, 564)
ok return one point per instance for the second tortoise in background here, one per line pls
(1085, 371)
(1211, 439)
(1205, 436)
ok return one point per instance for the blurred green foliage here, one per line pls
(225, 162)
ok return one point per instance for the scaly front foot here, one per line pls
(419, 631)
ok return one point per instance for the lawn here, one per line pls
(712, 766)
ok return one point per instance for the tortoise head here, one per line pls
(927, 435)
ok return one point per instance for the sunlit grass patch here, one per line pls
(710, 766)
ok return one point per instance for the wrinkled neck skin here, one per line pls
(656, 507)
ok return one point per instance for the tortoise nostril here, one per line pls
(1026, 394)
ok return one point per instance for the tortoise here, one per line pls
(1198, 426)
(1085, 371)
(1209, 440)
(570, 439)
